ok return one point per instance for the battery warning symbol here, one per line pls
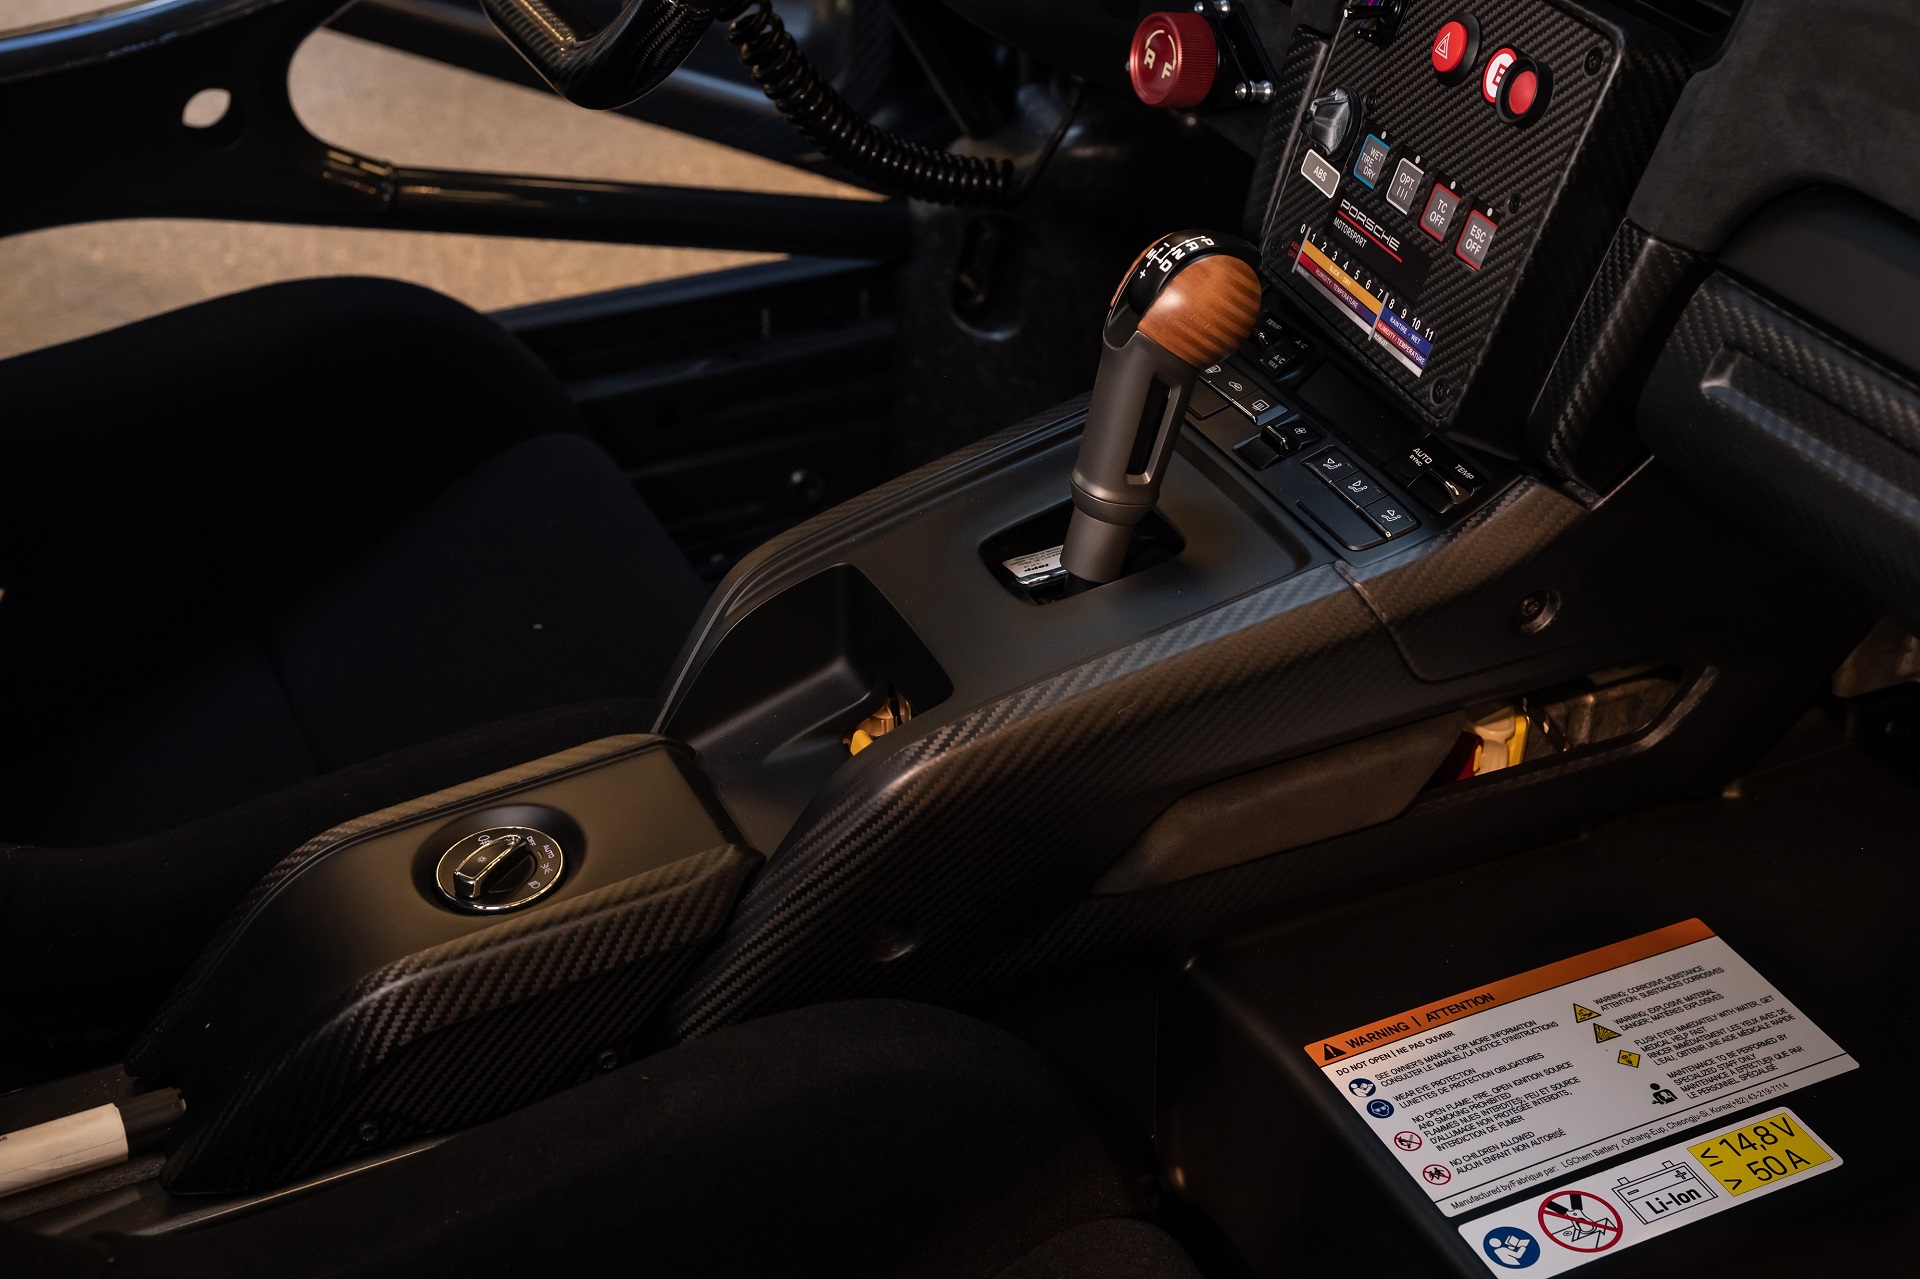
(1666, 1192)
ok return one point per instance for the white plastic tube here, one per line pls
(63, 1147)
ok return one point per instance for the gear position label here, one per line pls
(1524, 1081)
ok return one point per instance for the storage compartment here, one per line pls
(773, 707)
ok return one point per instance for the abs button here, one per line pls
(1455, 46)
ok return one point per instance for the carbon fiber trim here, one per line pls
(149, 1052)
(466, 1030)
(913, 872)
(1582, 424)
(1775, 419)
(1299, 72)
(1560, 185)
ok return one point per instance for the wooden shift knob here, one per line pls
(1205, 311)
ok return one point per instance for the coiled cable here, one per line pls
(794, 85)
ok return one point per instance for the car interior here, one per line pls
(1283, 643)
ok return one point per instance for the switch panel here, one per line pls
(1440, 169)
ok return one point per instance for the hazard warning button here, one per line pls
(1455, 46)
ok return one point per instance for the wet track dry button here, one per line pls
(1390, 516)
(1372, 161)
(1331, 465)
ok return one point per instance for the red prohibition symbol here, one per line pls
(1580, 1220)
(1408, 1141)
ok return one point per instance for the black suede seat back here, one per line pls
(872, 1138)
(262, 539)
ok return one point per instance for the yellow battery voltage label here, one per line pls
(1760, 1154)
(1594, 1214)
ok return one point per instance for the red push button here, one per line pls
(1521, 93)
(1496, 72)
(1524, 90)
(1455, 45)
(1173, 59)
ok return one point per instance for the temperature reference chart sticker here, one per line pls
(1572, 1223)
(1523, 1081)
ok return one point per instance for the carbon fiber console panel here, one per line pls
(1582, 424)
(1463, 323)
(346, 1006)
(1771, 416)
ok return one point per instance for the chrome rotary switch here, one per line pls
(501, 868)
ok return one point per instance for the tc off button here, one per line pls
(1522, 98)
(1456, 46)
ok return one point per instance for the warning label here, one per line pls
(1518, 1083)
(1571, 1224)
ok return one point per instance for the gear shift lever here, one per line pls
(1187, 301)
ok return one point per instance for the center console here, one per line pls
(908, 738)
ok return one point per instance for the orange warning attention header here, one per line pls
(1532, 982)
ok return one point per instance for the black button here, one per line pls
(1257, 453)
(1358, 489)
(1248, 393)
(1439, 493)
(1205, 401)
(1390, 516)
(1348, 526)
(1297, 433)
(1331, 465)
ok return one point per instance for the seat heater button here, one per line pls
(1438, 215)
(1390, 516)
(1358, 489)
(1405, 187)
(1332, 466)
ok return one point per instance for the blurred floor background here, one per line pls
(66, 282)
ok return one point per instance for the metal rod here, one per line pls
(640, 213)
